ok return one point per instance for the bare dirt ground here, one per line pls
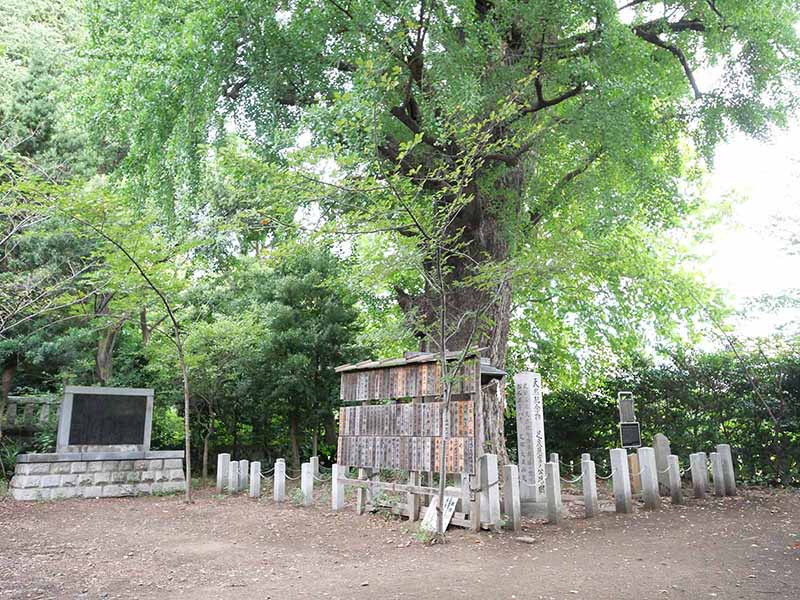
(742, 547)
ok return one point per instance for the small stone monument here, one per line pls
(663, 451)
(629, 431)
(102, 450)
(530, 443)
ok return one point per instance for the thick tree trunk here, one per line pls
(476, 317)
(294, 442)
(205, 456)
(104, 358)
(143, 327)
(235, 449)
(9, 369)
(315, 443)
(331, 436)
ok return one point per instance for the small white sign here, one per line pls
(429, 522)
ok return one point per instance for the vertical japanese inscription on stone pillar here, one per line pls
(530, 436)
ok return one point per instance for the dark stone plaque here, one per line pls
(630, 434)
(100, 419)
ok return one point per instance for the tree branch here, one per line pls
(538, 215)
(653, 38)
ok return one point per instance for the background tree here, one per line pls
(311, 330)
(221, 356)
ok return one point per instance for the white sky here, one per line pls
(746, 255)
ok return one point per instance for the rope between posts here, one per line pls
(665, 470)
(292, 478)
(570, 466)
(322, 478)
(481, 489)
(609, 476)
(264, 476)
(576, 480)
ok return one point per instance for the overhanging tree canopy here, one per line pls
(560, 116)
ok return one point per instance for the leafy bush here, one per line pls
(8, 457)
(167, 429)
(45, 441)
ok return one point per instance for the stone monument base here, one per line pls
(97, 474)
(531, 508)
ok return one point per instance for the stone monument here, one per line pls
(102, 450)
(530, 443)
(662, 449)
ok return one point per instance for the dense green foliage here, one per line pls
(749, 399)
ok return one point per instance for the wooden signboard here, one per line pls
(406, 381)
(407, 436)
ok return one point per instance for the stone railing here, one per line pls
(30, 412)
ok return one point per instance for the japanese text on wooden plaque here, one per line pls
(406, 436)
(407, 381)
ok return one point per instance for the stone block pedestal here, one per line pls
(97, 474)
(536, 510)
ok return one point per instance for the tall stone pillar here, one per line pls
(530, 439)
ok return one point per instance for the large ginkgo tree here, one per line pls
(515, 131)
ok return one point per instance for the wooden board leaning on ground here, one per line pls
(406, 436)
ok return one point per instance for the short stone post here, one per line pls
(255, 479)
(675, 490)
(650, 495)
(461, 481)
(716, 473)
(635, 470)
(279, 481)
(621, 480)
(554, 458)
(511, 500)
(361, 493)
(233, 477)
(337, 487)
(223, 460)
(466, 495)
(589, 486)
(412, 500)
(244, 474)
(553, 491)
(662, 450)
(475, 502)
(307, 483)
(314, 460)
(697, 462)
(724, 450)
(490, 490)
